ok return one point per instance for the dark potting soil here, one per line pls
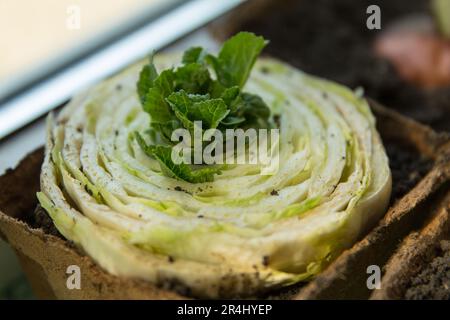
(433, 282)
(329, 38)
(408, 167)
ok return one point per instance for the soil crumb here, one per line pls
(433, 282)
(408, 167)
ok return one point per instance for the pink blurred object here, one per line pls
(422, 58)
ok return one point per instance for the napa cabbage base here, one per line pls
(241, 234)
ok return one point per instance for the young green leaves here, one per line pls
(189, 108)
(236, 59)
(178, 97)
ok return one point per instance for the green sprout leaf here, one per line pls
(163, 154)
(178, 97)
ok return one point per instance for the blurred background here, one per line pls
(397, 51)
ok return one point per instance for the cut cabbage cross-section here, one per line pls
(243, 233)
